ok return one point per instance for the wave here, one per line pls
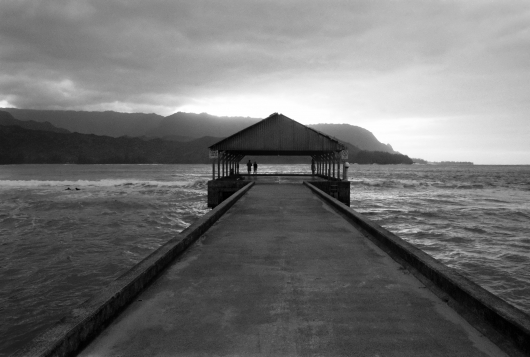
(409, 184)
(93, 183)
(198, 184)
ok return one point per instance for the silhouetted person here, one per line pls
(249, 166)
(255, 167)
(312, 166)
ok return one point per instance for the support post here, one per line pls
(337, 159)
(223, 164)
(345, 167)
(328, 167)
(219, 165)
(333, 163)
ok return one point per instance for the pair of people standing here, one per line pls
(249, 166)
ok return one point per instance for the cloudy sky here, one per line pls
(439, 80)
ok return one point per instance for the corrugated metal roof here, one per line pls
(278, 135)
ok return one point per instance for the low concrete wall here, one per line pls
(220, 189)
(78, 328)
(342, 189)
(507, 320)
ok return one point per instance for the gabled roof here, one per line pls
(278, 135)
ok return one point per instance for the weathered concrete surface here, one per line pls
(339, 190)
(508, 326)
(281, 274)
(220, 189)
(73, 331)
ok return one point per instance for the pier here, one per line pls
(278, 135)
(282, 267)
(272, 279)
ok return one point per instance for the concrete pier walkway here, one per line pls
(282, 274)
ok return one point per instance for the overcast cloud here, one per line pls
(440, 80)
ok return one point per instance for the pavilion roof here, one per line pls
(278, 135)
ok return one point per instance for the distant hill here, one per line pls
(199, 125)
(180, 126)
(19, 146)
(24, 146)
(100, 123)
(379, 157)
(7, 119)
(356, 135)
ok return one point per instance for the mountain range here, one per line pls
(178, 127)
(7, 119)
(111, 137)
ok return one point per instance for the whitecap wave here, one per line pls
(91, 183)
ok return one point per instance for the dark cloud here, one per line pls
(362, 61)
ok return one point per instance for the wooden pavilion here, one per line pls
(282, 136)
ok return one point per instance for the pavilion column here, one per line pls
(333, 163)
(330, 162)
(222, 165)
(219, 164)
(338, 166)
(337, 159)
(225, 157)
(337, 156)
(328, 166)
(213, 169)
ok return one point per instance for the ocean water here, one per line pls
(58, 246)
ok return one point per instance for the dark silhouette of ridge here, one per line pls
(6, 119)
(179, 127)
(356, 135)
(26, 146)
(198, 125)
(107, 123)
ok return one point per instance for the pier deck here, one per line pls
(282, 274)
